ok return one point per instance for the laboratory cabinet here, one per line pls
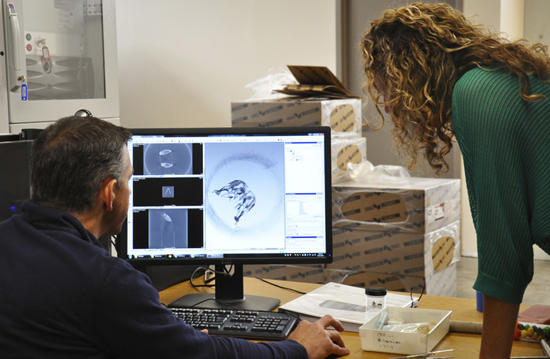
(58, 57)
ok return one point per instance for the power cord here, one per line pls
(414, 303)
(207, 279)
(209, 271)
(279, 286)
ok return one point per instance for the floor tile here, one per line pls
(538, 291)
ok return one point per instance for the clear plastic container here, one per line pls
(376, 298)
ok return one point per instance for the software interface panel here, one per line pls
(217, 196)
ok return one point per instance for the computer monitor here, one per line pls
(229, 197)
(15, 181)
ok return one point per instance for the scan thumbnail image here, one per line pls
(244, 193)
(167, 159)
(168, 228)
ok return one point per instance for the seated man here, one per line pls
(64, 296)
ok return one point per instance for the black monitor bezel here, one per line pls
(241, 260)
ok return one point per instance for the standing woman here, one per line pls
(441, 78)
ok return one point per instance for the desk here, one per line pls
(466, 345)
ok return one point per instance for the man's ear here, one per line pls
(108, 193)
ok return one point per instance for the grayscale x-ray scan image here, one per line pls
(238, 193)
(167, 159)
(244, 194)
(168, 228)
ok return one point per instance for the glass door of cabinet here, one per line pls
(61, 58)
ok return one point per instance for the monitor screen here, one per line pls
(229, 196)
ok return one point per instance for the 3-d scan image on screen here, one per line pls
(238, 193)
(244, 192)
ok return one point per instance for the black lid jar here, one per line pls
(376, 298)
(376, 291)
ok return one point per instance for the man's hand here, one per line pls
(319, 341)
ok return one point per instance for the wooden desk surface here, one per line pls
(466, 346)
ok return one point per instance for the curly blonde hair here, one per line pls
(413, 57)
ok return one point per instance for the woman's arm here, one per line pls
(499, 321)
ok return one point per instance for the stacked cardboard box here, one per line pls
(314, 273)
(343, 116)
(394, 251)
(415, 204)
(403, 238)
(408, 262)
(320, 100)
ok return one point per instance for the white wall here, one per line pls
(537, 26)
(182, 62)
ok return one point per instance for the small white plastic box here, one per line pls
(377, 340)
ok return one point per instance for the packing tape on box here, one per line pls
(344, 117)
(344, 151)
(443, 252)
(419, 205)
(393, 251)
(379, 207)
(443, 248)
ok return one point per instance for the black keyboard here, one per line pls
(258, 325)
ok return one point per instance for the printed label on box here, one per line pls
(435, 213)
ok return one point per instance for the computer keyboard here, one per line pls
(258, 325)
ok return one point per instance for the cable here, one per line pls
(279, 286)
(414, 303)
(206, 280)
(226, 272)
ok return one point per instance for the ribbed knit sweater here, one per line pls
(505, 142)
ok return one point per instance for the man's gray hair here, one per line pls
(73, 157)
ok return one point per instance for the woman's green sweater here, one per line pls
(505, 143)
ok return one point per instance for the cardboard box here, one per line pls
(442, 283)
(378, 340)
(418, 205)
(343, 116)
(344, 151)
(395, 251)
(315, 81)
(392, 282)
(313, 273)
(318, 99)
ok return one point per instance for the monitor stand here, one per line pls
(229, 295)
